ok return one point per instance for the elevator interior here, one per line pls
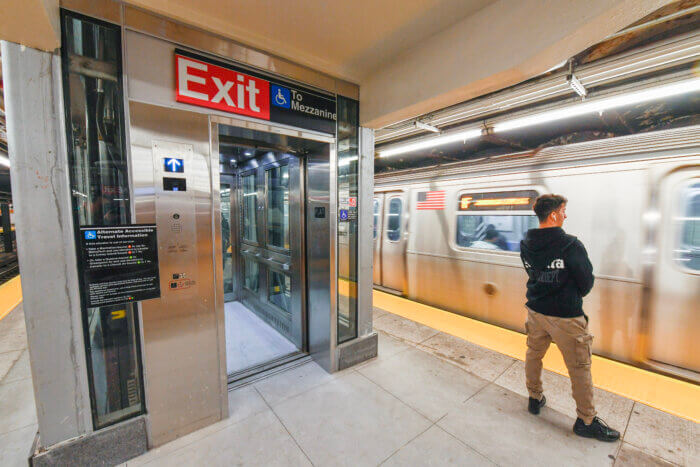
(264, 227)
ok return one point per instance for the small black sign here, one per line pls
(119, 264)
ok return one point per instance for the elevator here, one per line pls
(264, 227)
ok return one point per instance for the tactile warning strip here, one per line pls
(676, 397)
(10, 296)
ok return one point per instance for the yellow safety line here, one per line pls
(676, 397)
(10, 296)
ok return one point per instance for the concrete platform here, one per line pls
(18, 423)
(427, 399)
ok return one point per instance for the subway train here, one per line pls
(449, 235)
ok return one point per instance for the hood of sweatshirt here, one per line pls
(543, 241)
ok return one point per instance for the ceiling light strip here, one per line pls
(635, 97)
(431, 142)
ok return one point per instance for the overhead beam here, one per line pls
(501, 45)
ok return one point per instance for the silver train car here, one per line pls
(634, 201)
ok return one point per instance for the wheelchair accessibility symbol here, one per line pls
(280, 96)
(343, 214)
(90, 235)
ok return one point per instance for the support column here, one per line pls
(45, 243)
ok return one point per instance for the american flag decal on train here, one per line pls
(431, 200)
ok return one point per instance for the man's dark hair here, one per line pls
(491, 234)
(546, 204)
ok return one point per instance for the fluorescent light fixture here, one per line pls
(576, 85)
(4, 160)
(635, 97)
(432, 142)
(425, 126)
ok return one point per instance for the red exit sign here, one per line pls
(207, 85)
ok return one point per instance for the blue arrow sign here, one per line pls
(172, 164)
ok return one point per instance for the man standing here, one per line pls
(560, 275)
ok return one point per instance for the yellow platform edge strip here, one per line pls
(670, 395)
(10, 296)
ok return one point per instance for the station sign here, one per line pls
(521, 200)
(216, 85)
(119, 264)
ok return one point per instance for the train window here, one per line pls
(393, 228)
(493, 232)
(688, 250)
(375, 208)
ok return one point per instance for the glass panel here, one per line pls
(277, 184)
(375, 207)
(348, 166)
(100, 187)
(251, 272)
(226, 250)
(279, 289)
(499, 232)
(688, 252)
(393, 228)
(250, 201)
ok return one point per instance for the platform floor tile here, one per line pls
(258, 440)
(613, 409)
(436, 447)
(473, 358)
(496, 424)
(13, 331)
(15, 446)
(671, 438)
(7, 361)
(293, 382)
(429, 385)
(629, 456)
(350, 421)
(404, 329)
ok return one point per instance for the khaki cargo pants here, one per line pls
(574, 341)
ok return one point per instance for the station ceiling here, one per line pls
(349, 40)
(409, 57)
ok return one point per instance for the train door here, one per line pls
(393, 247)
(377, 204)
(674, 324)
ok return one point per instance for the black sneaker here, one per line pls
(534, 405)
(598, 429)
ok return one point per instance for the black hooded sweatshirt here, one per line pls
(559, 272)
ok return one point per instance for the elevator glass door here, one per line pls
(271, 236)
(226, 193)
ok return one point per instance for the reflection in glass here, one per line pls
(100, 187)
(226, 249)
(375, 209)
(250, 274)
(688, 253)
(277, 185)
(250, 200)
(348, 166)
(393, 228)
(501, 232)
(279, 289)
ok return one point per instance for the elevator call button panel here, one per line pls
(174, 166)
